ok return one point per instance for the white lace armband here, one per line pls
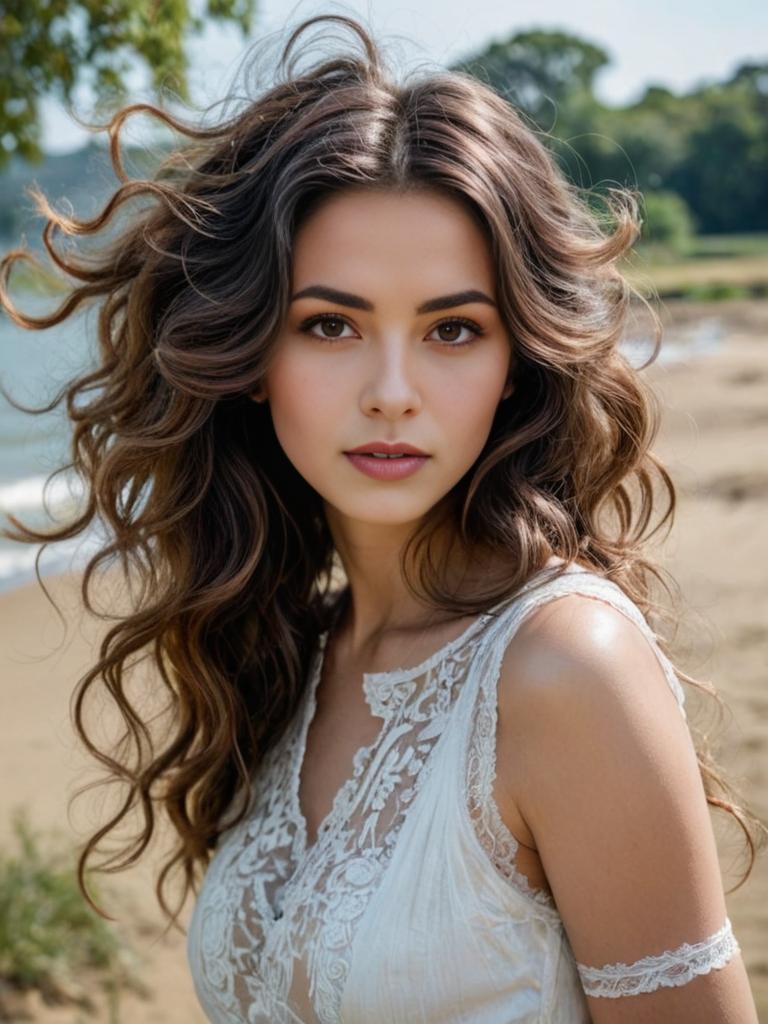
(669, 969)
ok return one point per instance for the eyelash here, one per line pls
(324, 317)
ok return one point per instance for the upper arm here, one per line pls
(605, 774)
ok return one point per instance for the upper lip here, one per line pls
(388, 449)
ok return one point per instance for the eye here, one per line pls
(338, 323)
(325, 319)
(459, 322)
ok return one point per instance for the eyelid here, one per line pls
(318, 318)
(471, 325)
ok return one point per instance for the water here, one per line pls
(684, 345)
(35, 364)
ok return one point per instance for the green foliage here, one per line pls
(715, 292)
(725, 173)
(717, 246)
(48, 934)
(544, 73)
(51, 46)
(667, 221)
(710, 146)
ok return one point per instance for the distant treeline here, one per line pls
(700, 159)
(702, 155)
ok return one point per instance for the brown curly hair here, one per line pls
(229, 560)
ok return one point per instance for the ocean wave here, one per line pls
(17, 561)
(27, 494)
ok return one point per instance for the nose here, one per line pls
(390, 386)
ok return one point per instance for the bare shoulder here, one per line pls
(602, 769)
(576, 666)
(573, 647)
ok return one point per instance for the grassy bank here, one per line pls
(712, 267)
(54, 949)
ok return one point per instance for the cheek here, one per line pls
(304, 404)
(468, 400)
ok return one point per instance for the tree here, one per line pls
(549, 77)
(710, 145)
(724, 177)
(544, 73)
(667, 221)
(48, 47)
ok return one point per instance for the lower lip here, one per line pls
(387, 469)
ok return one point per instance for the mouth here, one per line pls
(384, 455)
(387, 450)
(386, 466)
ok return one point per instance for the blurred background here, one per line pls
(671, 100)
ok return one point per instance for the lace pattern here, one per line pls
(274, 926)
(499, 843)
(278, 919)
(669, 969)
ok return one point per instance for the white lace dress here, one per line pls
(408, 907)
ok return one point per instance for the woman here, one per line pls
(364, 438)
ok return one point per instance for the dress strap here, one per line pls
(575, 580)
(479, 755)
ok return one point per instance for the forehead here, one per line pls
(412, 238)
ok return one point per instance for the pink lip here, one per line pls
(389, 448)
(386, 469)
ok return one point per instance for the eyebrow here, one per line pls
(320, 291)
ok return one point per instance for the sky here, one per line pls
(678, 44)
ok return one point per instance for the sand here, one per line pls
(714, 441)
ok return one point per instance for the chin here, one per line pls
(381, 512)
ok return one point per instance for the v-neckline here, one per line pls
(393, 679)
(361, 758)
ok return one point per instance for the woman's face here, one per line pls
(379, 367)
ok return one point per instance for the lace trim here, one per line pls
(670, 969)
(337, 875)
(495, 838)
(269, 902)
(386, 691)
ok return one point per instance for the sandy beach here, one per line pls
(714, 442)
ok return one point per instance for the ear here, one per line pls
(507, 391)
(259, 395)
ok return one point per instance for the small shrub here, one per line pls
(715, 291)
(667, 222)
(49, 937)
